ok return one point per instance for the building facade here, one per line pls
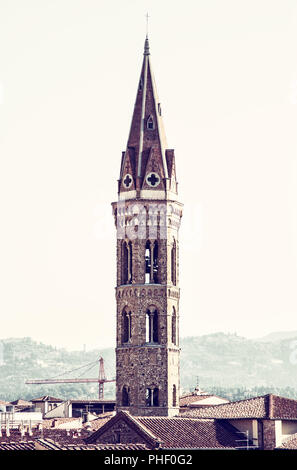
(147, 217)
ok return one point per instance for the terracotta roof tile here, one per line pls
(267, 406)
(107, 447)
(47, 398)
(21, 403)
(190, 433)
(173, 433)
(96, 424)
(17, 445)
(61, 423)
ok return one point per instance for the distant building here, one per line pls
(266, 421)
(46, 404)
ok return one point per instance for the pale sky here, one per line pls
(226, 73)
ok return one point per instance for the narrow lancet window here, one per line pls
(125, 396)
(152, 326)
(151, 263)
(127, 263)
(174, 396)
(155, 263)
(126, 321)
(173, 263)
(173, 327)
(150, 123)
(148, 262)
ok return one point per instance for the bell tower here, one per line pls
(147, 217)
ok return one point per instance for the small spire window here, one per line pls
(150, 123)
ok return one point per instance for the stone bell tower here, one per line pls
(147, 216)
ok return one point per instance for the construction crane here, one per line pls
(101, 380)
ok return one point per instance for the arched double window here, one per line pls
(152, 325)
(126, 277)
(152, 397)
(126, 325)
(125, 396)
(151, 262)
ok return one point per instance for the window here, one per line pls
(173, 327)
(173, 263)
(152, 326)
(151, 262)
(155, 262)
(125, 396)
(126, 321)
(150, 123)
(126, 263)
(152, 397)
(174, 395)
(148, 262)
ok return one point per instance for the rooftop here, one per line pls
(173, 433)
(267, 406)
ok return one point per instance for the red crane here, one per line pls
(101, 380)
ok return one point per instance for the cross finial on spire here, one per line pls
(146, 44)
(147, 21)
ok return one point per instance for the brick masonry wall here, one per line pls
(122, 433)
(268, 435)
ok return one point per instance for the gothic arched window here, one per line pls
(148, 262)
(152, 325)
(151, 262)
(150, 123)
(125, 396)
(126, 262)
(126, 321)
(155, 262)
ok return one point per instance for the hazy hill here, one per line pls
(222, 361)
(278, 336)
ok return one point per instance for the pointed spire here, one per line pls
(146, 158)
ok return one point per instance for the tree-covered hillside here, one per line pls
(224, 363)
